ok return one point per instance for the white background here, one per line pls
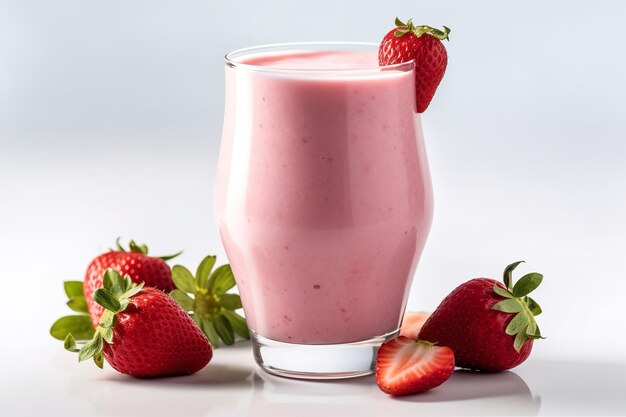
(110, 120)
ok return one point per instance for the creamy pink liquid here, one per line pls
(323, 198)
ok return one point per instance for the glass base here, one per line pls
(336, 361)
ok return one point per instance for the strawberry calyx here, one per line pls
(206, 299)
(517, 301)
(404, 28)
(114, 297)
(142, 249)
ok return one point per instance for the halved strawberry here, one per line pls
(412, 323)
(406, 366)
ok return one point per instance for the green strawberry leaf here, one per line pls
(107, 300)
(118, 245)
(230, 301)
(123, 304)
(78, 304)
(90, 348)
(204, 270)
(128, 283)
(224, 329)
(221, 280)
(439, 34)
(502, 292)
(70, 343)
(518, 324)
(172, 256)
(73, 289)
(208, 329)
(527, 284)
(510, 305)
(107, 335)
(238, 323)
(186, 302)
(134, 247)
(533, 306)
(78, 325)
(114, 282)
(183, 279)
(520, 339)
(107, 320)
(131, 291)
(404, 28)
(508, 272)
(98, 359)
(533, 331)
(196, 318)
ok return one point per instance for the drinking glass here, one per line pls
(323, 202)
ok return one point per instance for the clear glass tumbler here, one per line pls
(323, 201)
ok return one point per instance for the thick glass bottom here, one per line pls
(336, 361)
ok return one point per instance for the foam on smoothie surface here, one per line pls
(314, 60)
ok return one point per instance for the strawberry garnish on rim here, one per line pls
(422, 44)
(406, 366)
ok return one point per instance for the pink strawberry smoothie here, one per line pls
(323, 195)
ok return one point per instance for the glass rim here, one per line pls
(230, 59)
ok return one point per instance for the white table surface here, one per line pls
(232, 385)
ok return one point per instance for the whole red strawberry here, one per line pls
(136, 263)
(143, 332)
(423, 45)
(489, 326)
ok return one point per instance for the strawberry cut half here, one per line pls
(406, 366)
